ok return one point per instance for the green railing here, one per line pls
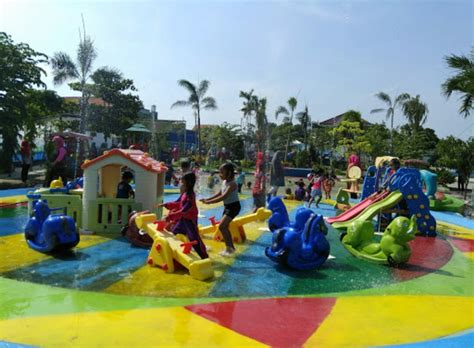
(110, 214)
(71, 204)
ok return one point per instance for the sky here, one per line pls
(332, 55)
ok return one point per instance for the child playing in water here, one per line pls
(229, 195)
(316, 182)
(328, 183)
(289, 195)
(300, 192)
(240, 180)
(184, 214)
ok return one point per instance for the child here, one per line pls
(328, 183)
(249, 185)
(230, 197)
(258, 190)
(211, 180)
(124, 190)
(300, 192)
(185, 167)
(394, 166)
(184, 214)
(289, 195)
(316, 189)
(240, 180)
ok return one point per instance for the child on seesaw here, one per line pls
(183, 213)
(230, 197)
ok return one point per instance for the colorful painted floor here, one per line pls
(103, 294)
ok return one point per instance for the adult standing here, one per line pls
(58, 166)
(277, 174)
(25, 150)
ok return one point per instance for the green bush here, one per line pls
(247, 163)
(445, 177)
(302, 159)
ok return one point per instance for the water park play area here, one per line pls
(313, 277)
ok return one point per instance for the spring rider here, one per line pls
(301, 245)
(393, 248)
(45, 232)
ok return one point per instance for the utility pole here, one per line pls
(154, 116)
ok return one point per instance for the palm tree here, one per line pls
(462, 82)
(390, 110)
(249, 107)
(305, 119)
(416, 112)
(292, 102)
(261, 122)
(197, 101)
(64, 69)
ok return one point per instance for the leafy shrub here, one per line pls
(302, 159)
(445, 177)
(247, 163)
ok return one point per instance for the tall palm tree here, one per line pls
(261, 122)
(197, 101)
(462, 82)
(292, 102)
(248, 109)
(390, 110)
(416, 112)
(64, 69)
(305, 120)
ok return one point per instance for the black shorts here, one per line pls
(232, 209)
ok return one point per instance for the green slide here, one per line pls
(372, 210)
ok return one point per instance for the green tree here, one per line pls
(122, 106)
(462, 82)
(261, 121)
(416, 112)
(376, 135)
(248, 110)
(19, 74)
(65, 69)
(305, 120)
(390, 109)
(197, 101)
(415, 145)
(292, 102)
(350, 135)
(457, 154)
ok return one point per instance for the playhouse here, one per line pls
(94, 207)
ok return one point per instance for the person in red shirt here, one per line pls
(25, 150)
(316, 182)
(183, 214)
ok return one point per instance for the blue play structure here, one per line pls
(301, 245)
(46, 232)
(71, 185)
(374, 178)
(408, 181)
(430, 180)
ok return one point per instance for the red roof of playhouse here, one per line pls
(138, 157)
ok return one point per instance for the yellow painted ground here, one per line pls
(16, 253)
(454, 230)
(180, 284)
(161, 327)
(13, 199)
(387, 320)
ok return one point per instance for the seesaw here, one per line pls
(168, 248)
(236, 227)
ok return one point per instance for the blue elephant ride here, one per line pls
(302, 244)
(46, 232)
